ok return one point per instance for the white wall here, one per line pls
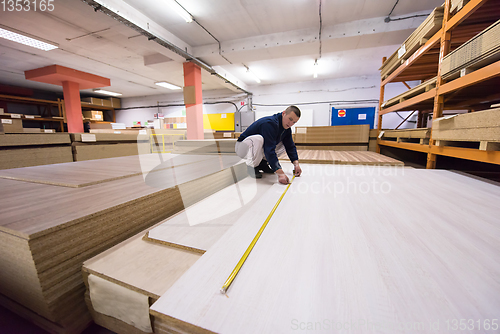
(317, 95)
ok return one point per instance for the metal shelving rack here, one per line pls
(474, 91)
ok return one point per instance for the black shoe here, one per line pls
(254, 172)
(263, 166)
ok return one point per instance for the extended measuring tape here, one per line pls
(254, 241)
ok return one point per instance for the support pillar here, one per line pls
(73, 106)
(193, 99)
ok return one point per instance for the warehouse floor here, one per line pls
(11, 323)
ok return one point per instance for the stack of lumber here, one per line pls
(219, 135)
(344, 158)
(457, 5)
(332, 259)
(33, 149)
(480, 126)
(422, 88)
(48, 230)
(338, 138)
(419, 37)
(205, 146)
(148, 267)
(479, 51)
(372, 144)
(108, 145)
(420, 135)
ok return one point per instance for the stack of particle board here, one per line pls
(338, 138)
(372, 144)
(332, 259)
(147, 267)
(457, 5)
(205, 146)
(422, 88)
(479, 51)
(420, 135)
(108, 145)
(33, 149)
(48, 230)
(418, 38)
(344, 158)
(480, 126)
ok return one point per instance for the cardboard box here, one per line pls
(93, 100)
(115, 102)
(106, 103)
(12, 125)
(95, 115)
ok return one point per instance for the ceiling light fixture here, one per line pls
(167, 85)
(22, 38)
(254, 77)
(180, 10)
(106, 92)
(315, 71)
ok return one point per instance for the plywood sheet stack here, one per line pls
(422, 88)
(481, 50)
(148, 267)
(205, 146)
(420, 135)
(339, 138)
(47, 231)
(419, 37)
(457, 5)
(344, 158)
(108, 145)
(480, 126)
(372, 143)
(33, 149)
(331, 260)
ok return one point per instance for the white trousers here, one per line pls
(252, 149)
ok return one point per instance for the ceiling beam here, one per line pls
(329, 35)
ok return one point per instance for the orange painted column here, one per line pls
(193, 99)
(73, 106)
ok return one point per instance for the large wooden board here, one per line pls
(86, 173)
(198, 227)
(46, 232)
(344, 157)
(331, 258)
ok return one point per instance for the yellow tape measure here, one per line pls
(254, 241)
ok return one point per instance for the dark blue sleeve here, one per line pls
(269, 133)
(291, 150)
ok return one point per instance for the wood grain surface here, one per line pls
(342, 254)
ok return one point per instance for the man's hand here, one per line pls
(297, 168)
(282, 178)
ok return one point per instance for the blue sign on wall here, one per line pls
(353, 116)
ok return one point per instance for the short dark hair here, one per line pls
(295, 109)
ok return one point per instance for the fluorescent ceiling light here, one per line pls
(315, 71)
(180, 10)
(256, 78)
(167, 85)
(23, 39)
(107, 92)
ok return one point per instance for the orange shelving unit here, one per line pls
(474, 91)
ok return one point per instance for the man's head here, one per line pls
(290, 116)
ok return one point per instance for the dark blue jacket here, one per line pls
(271, 128)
